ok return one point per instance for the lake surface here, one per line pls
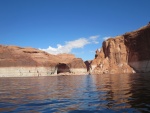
(124, 93)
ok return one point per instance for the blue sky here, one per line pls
(72, 26)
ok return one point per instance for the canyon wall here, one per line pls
(18, 62)
(128, 53)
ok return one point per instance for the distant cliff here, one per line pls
(18, 61)
(127, 53)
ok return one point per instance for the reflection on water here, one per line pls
(73, 94)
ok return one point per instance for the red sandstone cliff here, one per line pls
(16, 56)
(124, 54)
(14, 59)
(127, 53)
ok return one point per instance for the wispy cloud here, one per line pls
(105, 38)
(70, 45)
(92, 52)
(94, 39)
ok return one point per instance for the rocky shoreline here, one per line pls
(127, 53)
(36, 71)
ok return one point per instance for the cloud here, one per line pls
(94, 39)
(92, 51)
(70, 45)
(105, 38)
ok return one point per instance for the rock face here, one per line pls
(63, 68)
(17, 61)
(128, 53)
(88, 65)
(77, 66)
(13, 56)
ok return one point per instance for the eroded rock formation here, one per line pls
(27, 57)
(17, 61)
(63, 68)
(127, 53)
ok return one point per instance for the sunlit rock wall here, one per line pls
(128, 53)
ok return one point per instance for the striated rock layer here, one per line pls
(17, 61)
(127, 53)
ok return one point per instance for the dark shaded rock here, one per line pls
(88, 65)
(63, 68)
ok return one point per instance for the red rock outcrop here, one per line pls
(25, 57)
(65, 58)
(75, 65)
(30, 60)
(124, 54)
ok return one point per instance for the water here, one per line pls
(76, 94)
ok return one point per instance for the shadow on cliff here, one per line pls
(138, 44)
(62, 68)
(88, 65)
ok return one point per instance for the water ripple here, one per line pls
(76, 94)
